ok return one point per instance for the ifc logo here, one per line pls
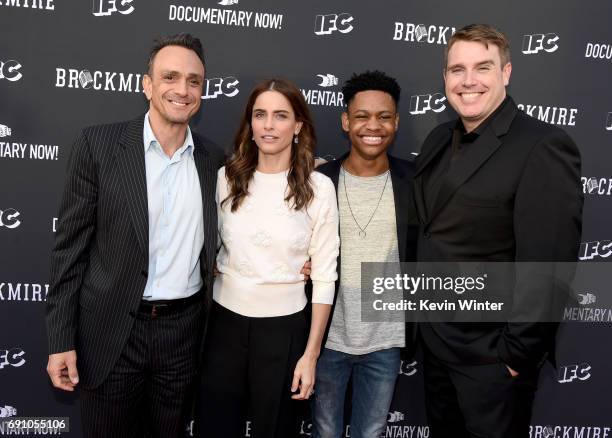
(103, 8)
(8, 218)
(326, 24)
(12, 357)
(9, 70)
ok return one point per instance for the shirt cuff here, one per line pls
(323, 292)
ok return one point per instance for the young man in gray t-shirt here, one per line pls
(375, 200)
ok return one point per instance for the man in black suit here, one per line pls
(494, 186)
(131, 270)
(377, 224)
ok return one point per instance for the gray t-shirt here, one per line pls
(348, 333)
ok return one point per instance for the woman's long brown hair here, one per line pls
(240, 168)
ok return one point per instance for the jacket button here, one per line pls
(427, 234)
(144, 273)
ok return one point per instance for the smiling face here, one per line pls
(371, 121)
(174, 85)
(274, 125)
(475, 81)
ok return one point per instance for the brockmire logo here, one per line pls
(551, 114)
(422, 33)
(548, 431)
(596, 186)
(32, 4)
(23, 292)
(97, 80)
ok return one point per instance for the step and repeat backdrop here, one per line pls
(66, 64)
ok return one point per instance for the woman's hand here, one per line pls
(306, 270)
(304, 377)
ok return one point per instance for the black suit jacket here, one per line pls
(100, 259)
(402, 173)
(514, 195)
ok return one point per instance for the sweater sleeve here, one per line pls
(325, 242)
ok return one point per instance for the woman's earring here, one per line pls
(295, 139)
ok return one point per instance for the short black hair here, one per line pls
(371, 80)
(181, 39)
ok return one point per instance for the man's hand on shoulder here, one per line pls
(62, 370)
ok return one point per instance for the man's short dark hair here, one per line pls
(181, 39)
(371, 80)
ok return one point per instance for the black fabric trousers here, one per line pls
(150, 390)
(477, 401)
(247, 373)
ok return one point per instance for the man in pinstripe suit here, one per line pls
(131, 270)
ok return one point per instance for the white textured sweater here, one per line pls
(265, 243)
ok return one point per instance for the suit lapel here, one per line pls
(419, 199)
(401, 199)
(334, 174)
(207, 174)
(430, 153)
(132, 173)
(474, 156)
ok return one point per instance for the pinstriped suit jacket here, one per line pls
(100, 258)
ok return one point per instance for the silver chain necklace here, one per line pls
(362, 231)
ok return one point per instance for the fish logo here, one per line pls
(585, 299)
(5, 131)
(7, 411)
(395, 416)
(328, 80)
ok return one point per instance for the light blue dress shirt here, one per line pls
(176, 225)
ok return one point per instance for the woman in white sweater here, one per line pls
(274, 214)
